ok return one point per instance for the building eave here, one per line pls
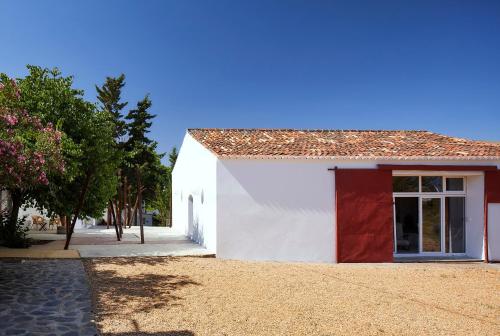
(361, 158)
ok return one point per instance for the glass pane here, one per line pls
(405, 183)
(454, 184)
(432, 183)
(431, 224)
(407, 224)
(455, 224)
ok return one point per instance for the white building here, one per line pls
(337, 196)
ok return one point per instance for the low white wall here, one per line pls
(194, 175)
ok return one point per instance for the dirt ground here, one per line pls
(206, 296)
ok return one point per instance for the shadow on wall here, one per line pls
(282, 185)
(195, 231)
(197, 234)
(118, 287)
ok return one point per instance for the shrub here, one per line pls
(13, 236)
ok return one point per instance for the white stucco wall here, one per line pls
(284, 209)
(195, 175)
(474, 217)
(275, 210)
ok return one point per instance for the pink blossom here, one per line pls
(39, 159)
(10, 119)
(42, 178)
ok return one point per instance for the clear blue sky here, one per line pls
(276, 64)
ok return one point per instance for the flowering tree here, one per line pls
(88, 147)
(29, 150)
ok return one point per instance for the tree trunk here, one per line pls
(62, 218)
(125, 203)
(108, 218)
(135, 216)
(134, 211)
(129, 208)
(139, 190)
(16, 197)
(118, 217)
(118, 236)
(78, 209)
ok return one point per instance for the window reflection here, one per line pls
(432, 184)
(405, 183)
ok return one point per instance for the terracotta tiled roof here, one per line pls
(347, 144)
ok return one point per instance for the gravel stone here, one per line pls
(207, 296)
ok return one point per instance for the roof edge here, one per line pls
(306, 130)
(359, 158)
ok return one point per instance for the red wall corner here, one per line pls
(492, 186)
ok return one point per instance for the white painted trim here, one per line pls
(383, 158)
(421, 195)
(429, 254)
(436, 173)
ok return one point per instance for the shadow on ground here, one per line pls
(137, 260)
(119, 286)
(161, 333)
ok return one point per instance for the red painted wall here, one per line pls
(364, 215)
(492, 186)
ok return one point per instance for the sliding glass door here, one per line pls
(455, 224)
(431, 224)
(429, 214)
(406, 225)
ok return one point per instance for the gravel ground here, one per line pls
(206, 296)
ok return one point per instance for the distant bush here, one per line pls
(101, 221)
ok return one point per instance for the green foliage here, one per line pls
(88, 147)
(15, 238)
(110, 95)
(101, 161)
(172, 157)
(141, 151)
(140, 122)
(162, 200)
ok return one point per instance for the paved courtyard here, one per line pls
(101, 242)
(45, 297)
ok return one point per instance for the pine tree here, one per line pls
(140, 122)
(143, 164)
(110, 95)
(172, 157)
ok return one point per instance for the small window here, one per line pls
(405, 183)
(454, 184)
(432, 184)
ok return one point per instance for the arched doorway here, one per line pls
(190, 217)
